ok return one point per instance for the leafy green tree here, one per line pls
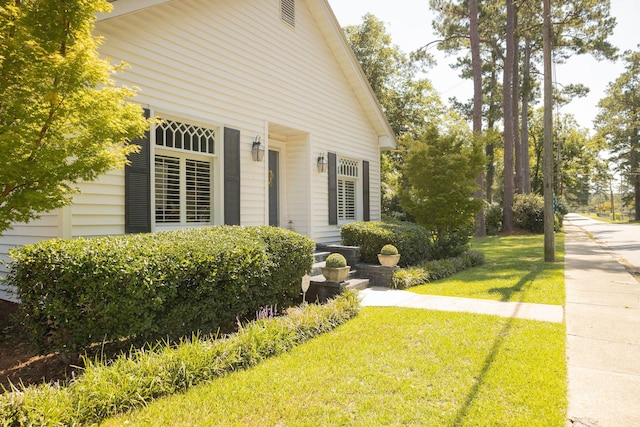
(62, 119)
(441, 172)
(580, 26)
(578, 164)
(619, 123)
(409, 102)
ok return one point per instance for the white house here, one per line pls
(226, 76)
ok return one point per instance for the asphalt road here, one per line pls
(622, 239)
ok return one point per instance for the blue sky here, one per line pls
(409, 23)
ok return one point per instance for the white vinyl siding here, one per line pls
(210, 62)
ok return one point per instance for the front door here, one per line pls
(274, 185)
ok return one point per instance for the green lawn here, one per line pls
(408, 367)
(390, 366)
(515, 271)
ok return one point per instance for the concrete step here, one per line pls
(320, 256)
(357, 284)
(316, 269)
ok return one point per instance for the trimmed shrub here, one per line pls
(335, 260)
(411, 240)
(160, 285)
(451, 243)
(135, 380)
(528, 212)
(389, 250)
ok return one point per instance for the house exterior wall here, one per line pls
(236, 64)
(198, 64)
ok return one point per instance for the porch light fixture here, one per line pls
(257, 150)
(322, 163)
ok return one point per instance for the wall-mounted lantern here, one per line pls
(322, 163)
(257, 150)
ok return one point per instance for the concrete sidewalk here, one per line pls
(602, 315)
(603, 335)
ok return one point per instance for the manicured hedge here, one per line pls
(413, 241)
(159, 285)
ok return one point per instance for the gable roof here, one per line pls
(335, 39)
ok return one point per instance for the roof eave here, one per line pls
(354, 73)
(125, 7)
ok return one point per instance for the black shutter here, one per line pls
(231, 176)
(333, 189)
(137, 187)
(366, 199)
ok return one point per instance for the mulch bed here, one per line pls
(20, 363)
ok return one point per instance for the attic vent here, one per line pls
(288, 11)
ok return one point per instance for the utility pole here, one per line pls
(613, 204)
(549, 236)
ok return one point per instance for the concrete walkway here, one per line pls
(385, 297)
(603, 335)
(602, 315)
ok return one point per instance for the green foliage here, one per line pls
(407, 100)
(335, 260)
(77, 292)
(528, 212)
(436, 269)
(581, 166)
(132, 381)
(493, 218)
(411, 240)
(389, 250)
(62, 118)
(451, 243)
(441, 171)
(618, 121)
(407, 277)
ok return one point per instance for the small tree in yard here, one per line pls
(62, 119)
(441, 173)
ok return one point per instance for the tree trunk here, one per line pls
(507, 79)
(481, 229)
(636, 189)
(549, 236)
(515, 100)
(524, 133)
(491, 115)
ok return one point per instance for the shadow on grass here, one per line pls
(471, 397)
(508, 292)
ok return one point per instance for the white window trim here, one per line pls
(356, 178)
(215, 174)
